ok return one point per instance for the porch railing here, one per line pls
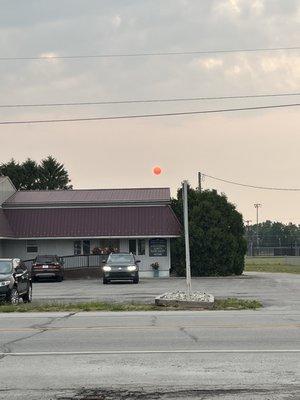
(78, 261)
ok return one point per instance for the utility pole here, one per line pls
(186, 236)
(199, 181)
(257, 206)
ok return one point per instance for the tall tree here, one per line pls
(49, 174)
(30, 175)
(217, 244)
(53, 175)
(14, 171)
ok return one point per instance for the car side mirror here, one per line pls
(103, 261)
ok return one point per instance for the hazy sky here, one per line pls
(258, 148)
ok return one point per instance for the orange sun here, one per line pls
(157, 170)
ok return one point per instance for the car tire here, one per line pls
(136, 280)
(27, 297)
(105, 281)
(59, 279)
(13, 297)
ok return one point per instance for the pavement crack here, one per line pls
(6, 349)
(189, 335)
(43, 327)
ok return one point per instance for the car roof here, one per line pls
(46, 255)
(122, 254)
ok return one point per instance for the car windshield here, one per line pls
(5, 267)
(120, 258)
(46, 259)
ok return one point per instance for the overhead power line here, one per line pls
(152, 54)
(252, 186)
(134, 116)
(134, 101)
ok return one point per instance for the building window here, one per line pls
(86, 247)
(82, 247)
(31, 247)
(132, 246)
(107, 246)
(141, 247)
(158, 247)
(77, 247)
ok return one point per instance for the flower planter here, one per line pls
(156, 273)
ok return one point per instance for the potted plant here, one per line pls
(155, 267)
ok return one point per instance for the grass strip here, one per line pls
(291, 269)
(233, 303)
(220, 304)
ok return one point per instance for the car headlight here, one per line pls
(106, 268)
(4, 283)
(131, 268)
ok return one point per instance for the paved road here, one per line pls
(156, 355)
(280, 291)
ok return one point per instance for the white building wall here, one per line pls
(146, 271)
(65, 247)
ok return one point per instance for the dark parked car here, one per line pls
(119, 267)
(15, 281)
(47, 267)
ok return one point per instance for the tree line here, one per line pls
(274, 234)
(49, 174)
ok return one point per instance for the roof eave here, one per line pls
(168, 236)
(7, 205)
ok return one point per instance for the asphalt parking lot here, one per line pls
(278, 290)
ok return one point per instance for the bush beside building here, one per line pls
(217, 244)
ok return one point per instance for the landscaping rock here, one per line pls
(182, 300)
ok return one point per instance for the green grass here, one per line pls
(291, 269)
(236, 304)
(220, 304)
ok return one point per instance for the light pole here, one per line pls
(257, 206)
(186, 236)
(248, 236)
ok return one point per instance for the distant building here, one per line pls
(82, 222)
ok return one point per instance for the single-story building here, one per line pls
(82, 222)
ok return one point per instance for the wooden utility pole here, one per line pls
(199, 182)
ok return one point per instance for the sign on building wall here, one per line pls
(158, 247)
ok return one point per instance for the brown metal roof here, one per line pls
(5, 230)
(93, 222)
(96, 196)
